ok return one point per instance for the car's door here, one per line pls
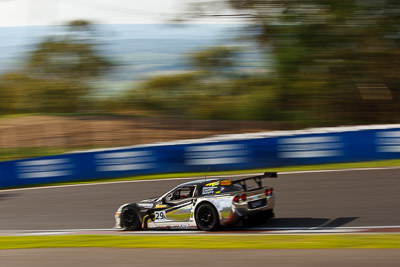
(176, 207)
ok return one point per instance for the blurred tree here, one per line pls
(80, 25)
(214, 58)
(214, 90)
(185, 94)
(57, 74)
(20, 93)
(16, 94)
(336, 60)
(171, 94)
(69, 56)
(55, 58)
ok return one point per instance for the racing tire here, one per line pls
(207, 218)
(130, 219)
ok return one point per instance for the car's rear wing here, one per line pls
(257, 179)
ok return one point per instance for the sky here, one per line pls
(50, 12)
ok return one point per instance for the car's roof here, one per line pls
(201, 181)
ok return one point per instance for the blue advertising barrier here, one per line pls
(230, 152)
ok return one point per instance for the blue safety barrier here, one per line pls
(230, 152)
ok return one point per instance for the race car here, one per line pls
(204, 204)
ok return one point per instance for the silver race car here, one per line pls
(204, 204)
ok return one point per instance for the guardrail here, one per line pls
(228, 152)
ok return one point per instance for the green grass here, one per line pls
(355, 241)
(14, 153)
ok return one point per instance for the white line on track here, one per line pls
(196, 177)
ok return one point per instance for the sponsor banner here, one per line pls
(286, 148)
(44, 168)
(124, 161)
(216, 154)
(388, 142)
(310, 147)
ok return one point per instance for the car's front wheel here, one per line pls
(130, 219)
(207, 218)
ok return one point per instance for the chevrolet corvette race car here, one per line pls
(204, 204)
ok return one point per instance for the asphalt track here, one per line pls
(103, 257)
(304, 200)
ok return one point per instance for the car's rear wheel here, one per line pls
(130, 219)
(207, 218)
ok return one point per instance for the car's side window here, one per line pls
(181, 193)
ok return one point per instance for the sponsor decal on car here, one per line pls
(226, 182)
(212, 184)
(209, 190)
(160, 216)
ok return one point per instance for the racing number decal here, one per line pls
(160, 216)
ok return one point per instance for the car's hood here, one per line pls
(147, 203)
(149, 200)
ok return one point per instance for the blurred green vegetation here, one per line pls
(214, 89)
(13, 153)
(57, 74)
(28, 152)
(334, 62)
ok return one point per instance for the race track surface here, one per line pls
(317, 199)
(103, 257)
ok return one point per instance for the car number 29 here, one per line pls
(160, 216)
